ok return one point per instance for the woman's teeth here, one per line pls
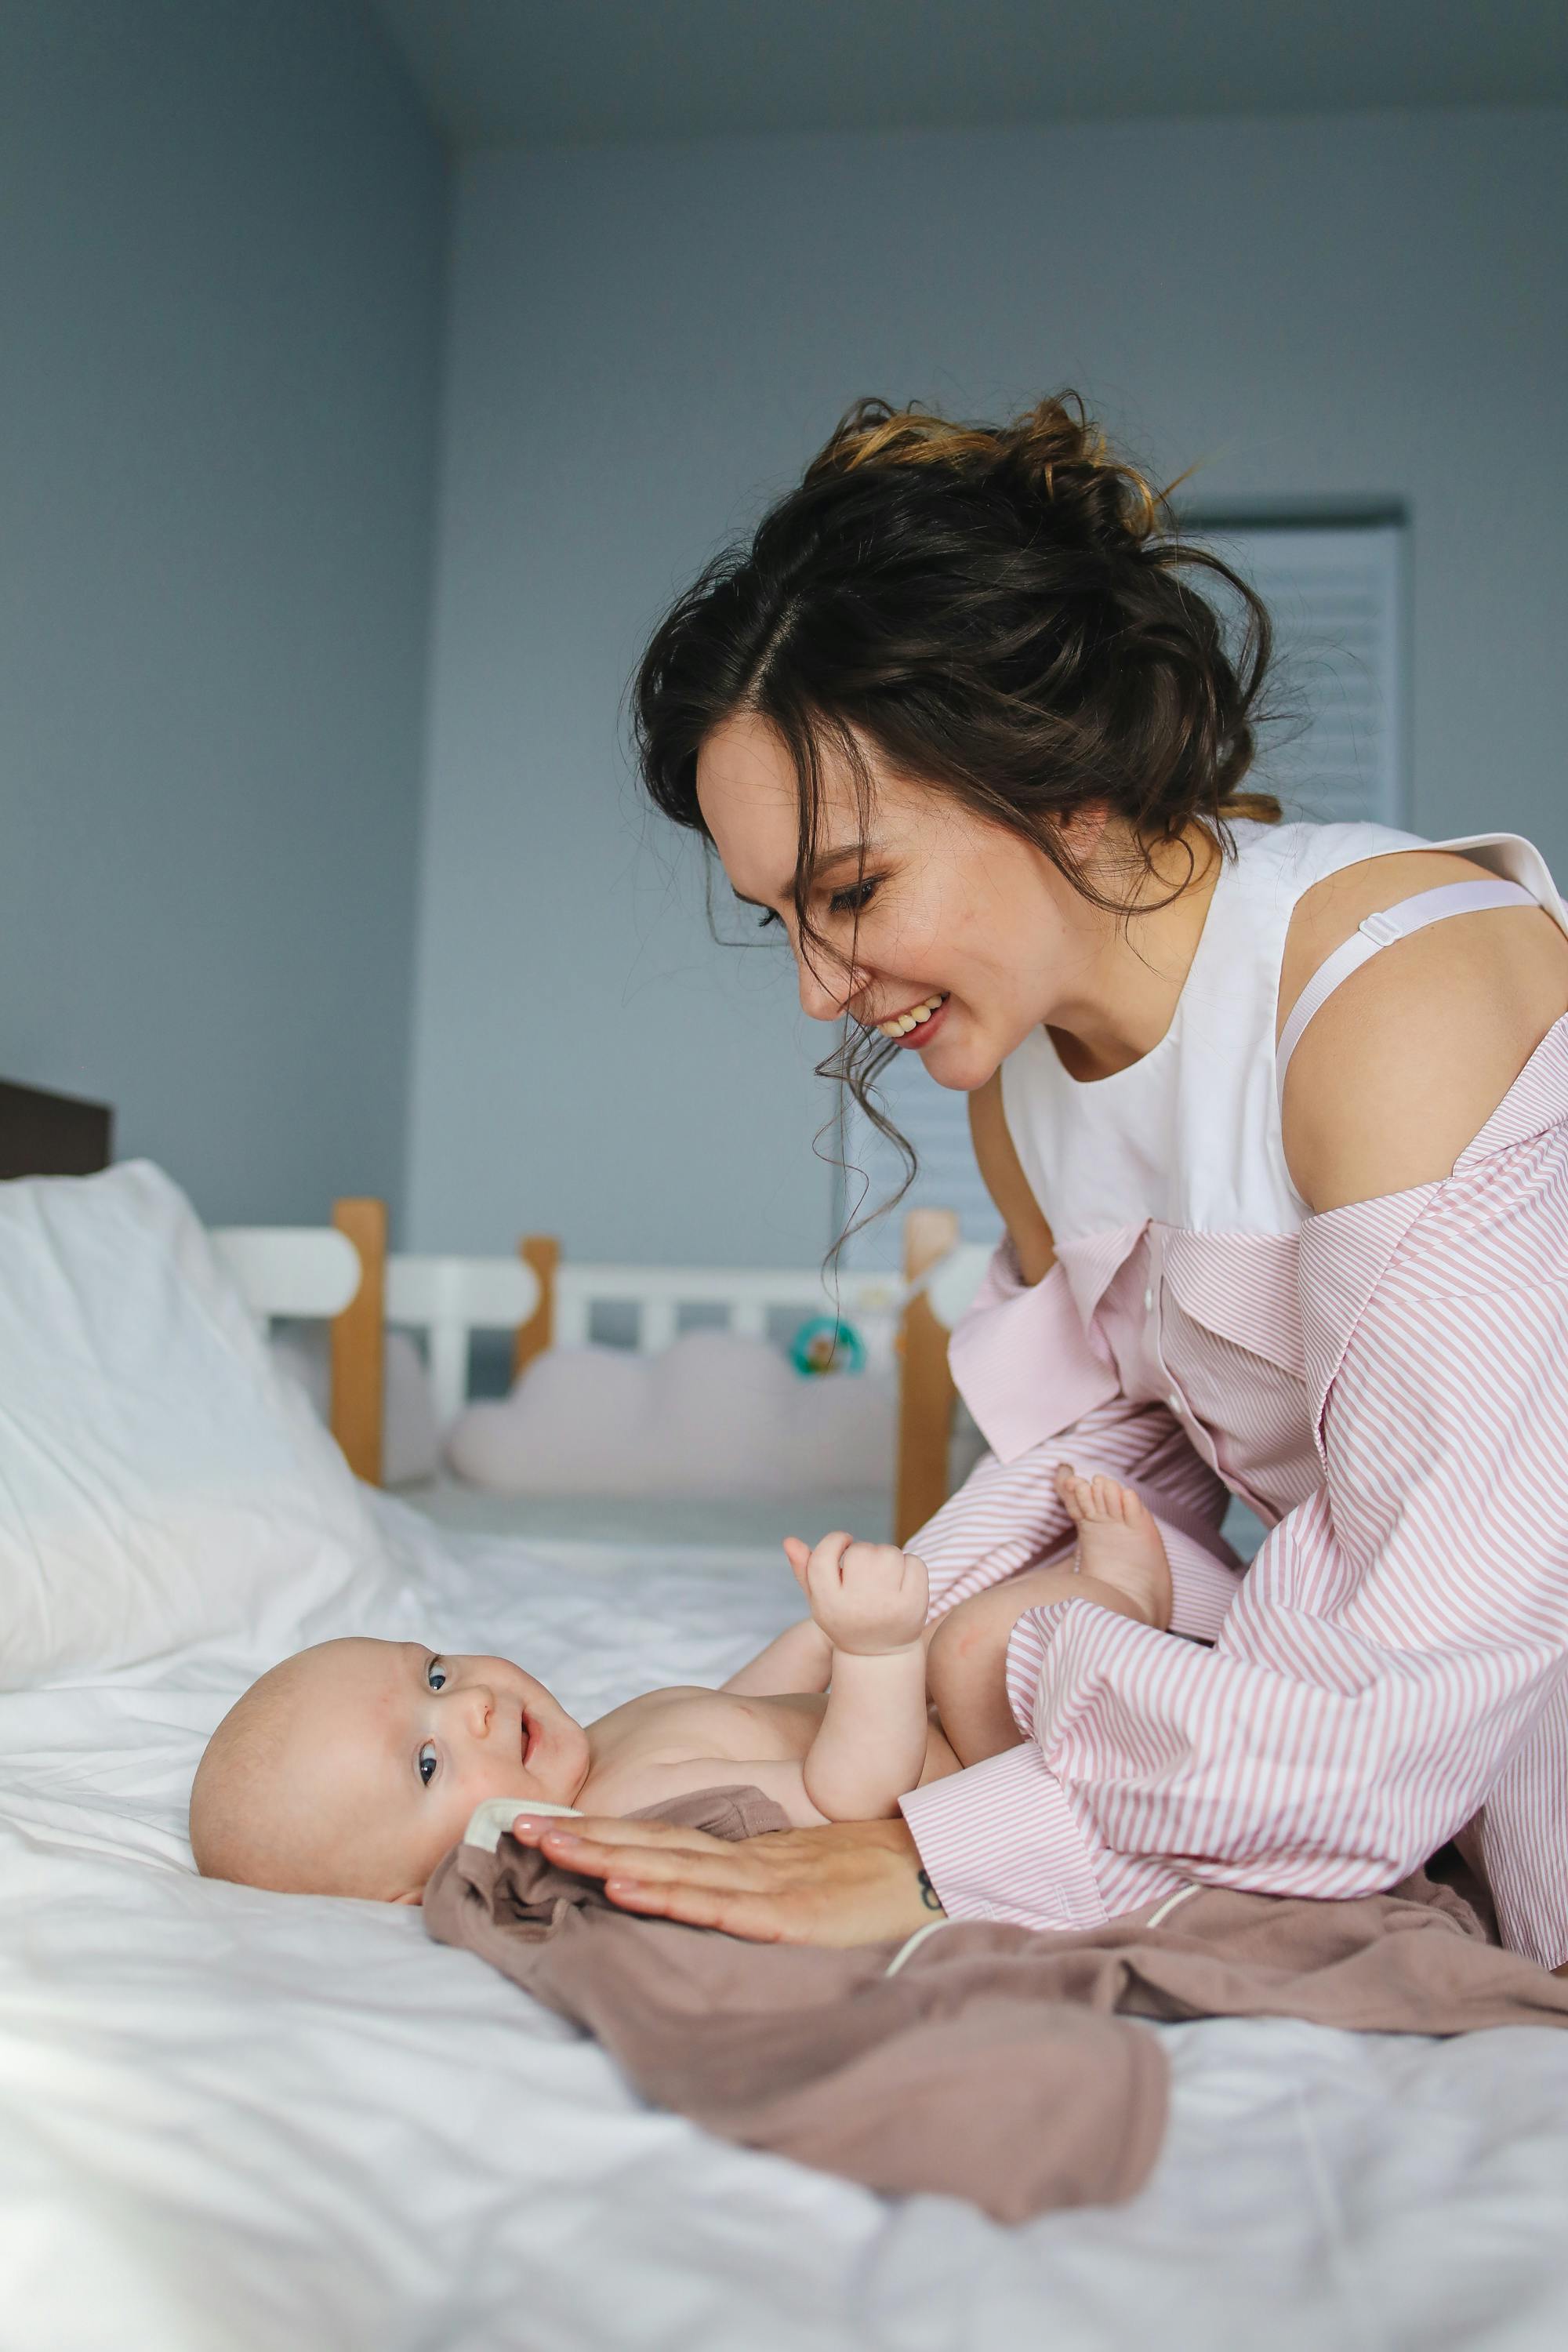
(903, 1023)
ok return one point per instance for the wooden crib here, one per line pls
(343, 1272)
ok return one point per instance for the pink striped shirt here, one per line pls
(1388, 1387)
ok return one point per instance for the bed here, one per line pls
(236, 2122)
(244, 2123)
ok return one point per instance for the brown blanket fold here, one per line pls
(996, 2063)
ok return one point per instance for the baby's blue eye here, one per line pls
(436, 1675)
(427, 1760)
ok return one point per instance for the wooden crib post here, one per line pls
(359, 1341)
(542, 1254)
(926, 1393)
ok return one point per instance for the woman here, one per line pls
(960, 721)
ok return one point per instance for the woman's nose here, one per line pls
(825, 989)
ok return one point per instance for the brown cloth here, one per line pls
(997, 2064)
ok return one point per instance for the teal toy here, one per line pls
(827, 1344)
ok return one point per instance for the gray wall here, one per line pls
(220, 284)
(647, 342)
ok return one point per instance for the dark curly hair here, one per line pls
(1004, 613)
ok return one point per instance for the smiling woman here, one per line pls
(1276, 1118)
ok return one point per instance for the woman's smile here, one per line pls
(917, 1024)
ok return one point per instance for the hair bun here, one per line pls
(1060, 454)
(1053, 457)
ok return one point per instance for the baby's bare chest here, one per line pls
(669, 1726)
(672, 1741)
(639, 1745)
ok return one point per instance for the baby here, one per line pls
(353, 1767)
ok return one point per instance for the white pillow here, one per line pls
(714, 1414)
(159, 1482)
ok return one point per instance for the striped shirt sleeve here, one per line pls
(1399, 1634)
(1043, 1396)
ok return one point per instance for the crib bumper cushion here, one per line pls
(716, 1413)
(159, 1482)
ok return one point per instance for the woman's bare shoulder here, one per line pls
(1404, 1064)
(1002, 1172)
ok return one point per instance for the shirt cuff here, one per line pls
(1023, 1362)
(999, 1841)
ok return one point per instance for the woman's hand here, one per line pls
(849, 1882)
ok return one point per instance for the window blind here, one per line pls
(1334, 597)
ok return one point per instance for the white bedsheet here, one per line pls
(230, 2119)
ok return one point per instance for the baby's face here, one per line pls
(379, 1751)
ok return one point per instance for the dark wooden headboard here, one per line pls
(52, 1135)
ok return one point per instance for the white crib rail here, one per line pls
(449, 1298)
(745, 1296)
(313, 1272)
(289, 1270)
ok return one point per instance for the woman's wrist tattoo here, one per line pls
(928, 1894)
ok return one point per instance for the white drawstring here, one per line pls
(913, 1944)
(1157, 1918)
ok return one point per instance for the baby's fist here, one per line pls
(867, 1598)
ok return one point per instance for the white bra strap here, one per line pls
(1379, 930)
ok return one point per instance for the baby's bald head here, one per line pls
(264, 1811)
(352, 1766)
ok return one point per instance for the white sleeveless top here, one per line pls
(1190, 1134)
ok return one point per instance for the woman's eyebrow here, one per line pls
(858, 852)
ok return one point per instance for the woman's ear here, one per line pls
(1081, 831)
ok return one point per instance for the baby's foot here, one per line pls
(1118, 1542)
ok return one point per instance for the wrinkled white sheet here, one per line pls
(235, 2122)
